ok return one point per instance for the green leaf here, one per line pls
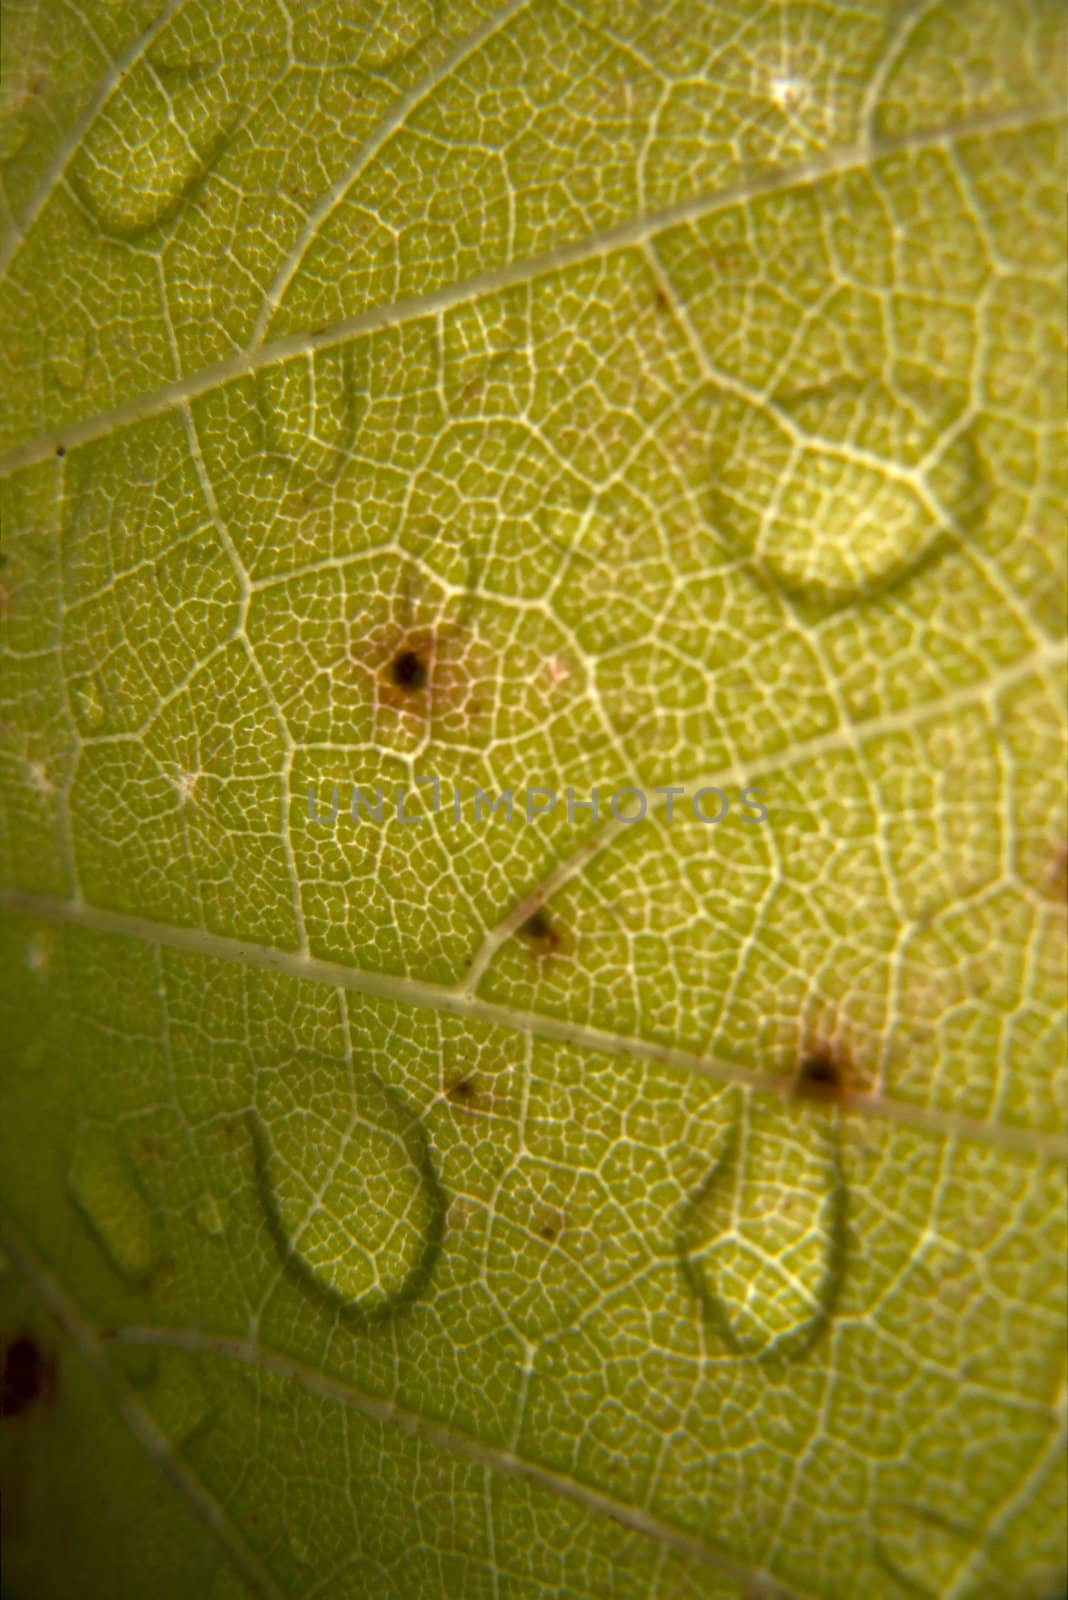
(646, 397)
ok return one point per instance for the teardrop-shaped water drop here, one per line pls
(155, 138)
(838, 491)
(762, 1243)
(209, 1217)
(348, 1181)
(106, 1191)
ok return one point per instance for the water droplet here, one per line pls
(177, 1398)
(145, 151)
(68, 358)
(348, 1181)
(762, 1244)
(300, 1547)
(140, 1363)
(39, 960)
(209, 1217)
(107, 1194)
(838, 491)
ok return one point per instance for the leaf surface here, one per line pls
(413, 402)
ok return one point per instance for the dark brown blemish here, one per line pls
(61, 450)
(540, 933)
(549, 1224)
(26, 1378)
(818, 1075)
(826, 1070)
(463, 1093)
(409, 671)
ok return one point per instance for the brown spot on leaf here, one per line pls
(826, 1069)
(819, 1078)
(409, 670)
(464, 1094)
(549, 1225)
(541, 934)
(420, 674)
(27, 1376)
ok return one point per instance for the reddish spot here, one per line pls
(28, 1376)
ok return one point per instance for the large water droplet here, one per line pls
(348, 1181)
(838, 491)
(158, 135)
(106, 1191)
(762, 1243)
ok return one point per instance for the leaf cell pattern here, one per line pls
(665, 397)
